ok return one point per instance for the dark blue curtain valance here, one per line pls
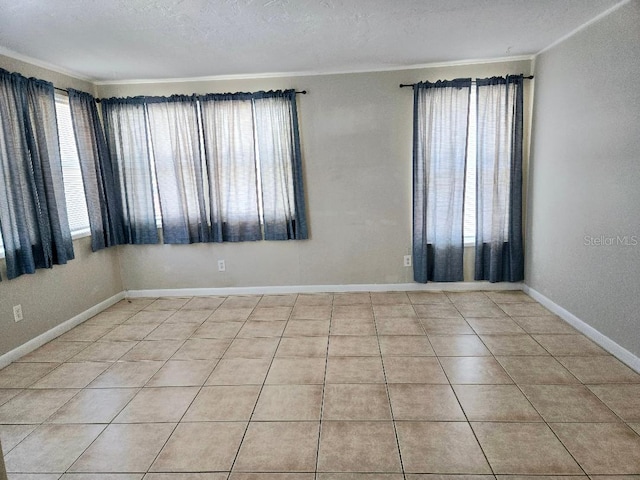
(455, 83)
(146, 99)
(515, 79)
(290, 93)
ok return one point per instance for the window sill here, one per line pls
(80, 234)
(74, 236)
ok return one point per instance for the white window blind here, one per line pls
(470, 178)
(73, 187)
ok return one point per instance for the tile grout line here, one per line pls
(486, 459)
(264, 381)
(43, 423)
(324, 384)
(105, 425)
(386, 386)
(140, 389)
(527, 399)
(201, 386)
(580, 384)
(244, 322)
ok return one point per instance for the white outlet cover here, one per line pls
(17, 313)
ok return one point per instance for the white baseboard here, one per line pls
(375, 287)
(58, 330)
(605, 342)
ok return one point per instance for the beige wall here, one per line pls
(50, 297)
(585, 176)
(356, 139)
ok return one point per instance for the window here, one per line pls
(73, 187)
(468, 178)
(213, 168)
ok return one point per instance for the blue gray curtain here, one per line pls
(245, 185)
(252, 152)
(33, 214)
(125, 123)
(101, 187)
(280, 166)
(439, 162)
(227, 122)
(174, 134)
(499, 244)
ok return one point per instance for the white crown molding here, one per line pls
(595, 19)
(371, 69)
(256, 76)
(49, 66)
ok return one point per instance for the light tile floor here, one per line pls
(367, 386)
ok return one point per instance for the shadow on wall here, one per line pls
(3, 471)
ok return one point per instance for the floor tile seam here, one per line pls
(125, 406)
(75, 354)
(191, 337)
(513, 380)
(84, 450)
(220, 306)
(455, 394)
(324, 385)
(125, 353)
(386, 386)
(549, 351)
(255, 405)
(611, 409)
(628, 424)
(272, 359)
(535, 409)
(608, 355)
(565, 447)
(43, 422)
(602, 403)
(199, 389)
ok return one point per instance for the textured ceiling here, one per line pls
(111, 40)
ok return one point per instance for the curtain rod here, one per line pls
(301, 92)
(402, 85)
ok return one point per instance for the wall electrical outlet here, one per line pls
(407, 260)
(17, 313)
(221, 266)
